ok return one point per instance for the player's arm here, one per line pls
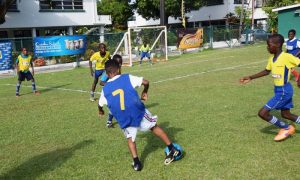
(32, 69)
(91, 68)
(17, 65)
(247, 79)
(144, 95)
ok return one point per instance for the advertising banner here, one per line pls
(59, 45)
(5, 55)
(189, 38)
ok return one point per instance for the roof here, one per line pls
(286, 7)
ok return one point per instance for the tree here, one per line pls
(272, 16)
(119, 10)
(4, 5)
(150, 8)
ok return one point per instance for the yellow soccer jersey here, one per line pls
(24, 62)
(145, 49)
(100, 61)
(281, 67)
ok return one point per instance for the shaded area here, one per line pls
(152, 105)
(154, 143)
(43, 90)
(43, 163)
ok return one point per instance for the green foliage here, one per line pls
(272, 16)
(151, 8)
(246, 15)
(119, 10)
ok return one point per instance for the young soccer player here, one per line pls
(280, 65)
(128, 109)
(104, 79)
(293, 47)
(145, 52)
(100, 57)
(22, 65)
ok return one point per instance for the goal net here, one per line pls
(135, 37)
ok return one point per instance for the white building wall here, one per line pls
(217, 12)
(29, 16)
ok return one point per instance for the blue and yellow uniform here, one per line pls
(293, 46)
(145, 52)
(124, 102)
(280, 68)
(100, 62)
(24, 62)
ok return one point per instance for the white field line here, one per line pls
(155, 82)
(209, 71)
(175, 65)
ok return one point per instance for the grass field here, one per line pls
(199, 102)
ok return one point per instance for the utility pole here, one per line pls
(252, 21)
(162, 13)
(241, 20)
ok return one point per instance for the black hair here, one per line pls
(102, 44)
(278, 38)
(111, 66)
(118, 58)
(292, 31)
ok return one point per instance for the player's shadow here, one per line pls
(34, 167)
(52, 88)
(154, 143)
(152, 105)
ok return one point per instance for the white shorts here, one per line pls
(148, 122)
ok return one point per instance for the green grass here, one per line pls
(198, 100)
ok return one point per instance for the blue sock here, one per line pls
(279, 123)
(298, 120)
(18, 88)
(110, 118)
(33, 86)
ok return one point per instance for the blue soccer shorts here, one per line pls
(98, 73)
(283, 98)
(145, 54)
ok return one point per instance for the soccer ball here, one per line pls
(177, 147)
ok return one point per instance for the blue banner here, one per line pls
(59, 45)
(5, 55)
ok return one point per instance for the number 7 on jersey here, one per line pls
(121, 93)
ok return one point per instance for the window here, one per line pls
(258, 3)
(240, 1)
(13, 7)
(61, 5)
(214, 2)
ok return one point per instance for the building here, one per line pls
(33, 18)
(212, 14)
(288, 18)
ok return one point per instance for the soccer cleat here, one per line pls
(17, 95)
(285, 133)
(137, 166)
(170, 156)
(92, 99)
(109, 125)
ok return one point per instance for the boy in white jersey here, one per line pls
(126, 106)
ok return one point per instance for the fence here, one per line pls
(213, 37)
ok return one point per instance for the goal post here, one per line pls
(135, 37)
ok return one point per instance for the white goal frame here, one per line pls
(128, 46)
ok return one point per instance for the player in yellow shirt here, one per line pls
(100, 58)
(279, 65)
(22, 65)
(145, 52)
